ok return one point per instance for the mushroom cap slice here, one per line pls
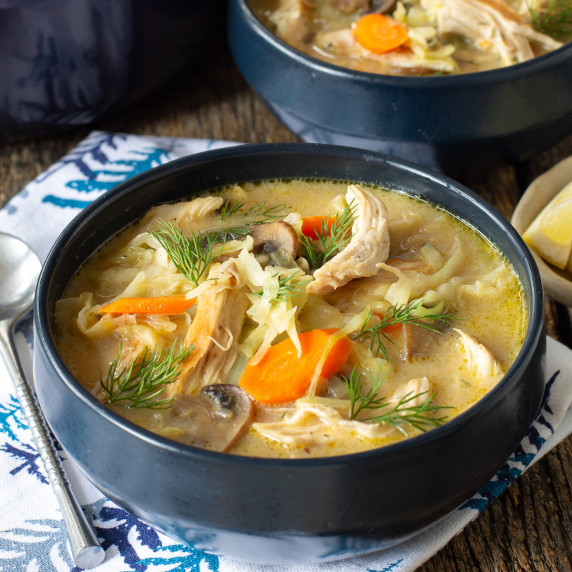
(276, 235)
(213, 419)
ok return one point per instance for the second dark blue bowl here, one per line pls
(450, 123)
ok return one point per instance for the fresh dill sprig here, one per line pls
(330, 240)
(258, 211)
(286, 288)
(404, 314)
(141, 384)
(359, 399)
(222, 235)
(265, 214)
(253, 215)
(399, 414)
(190, 255)
(555, 19)
(228, 209)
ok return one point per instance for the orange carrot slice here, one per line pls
(170, 305)
(379, 33)
(312, 225)
(281, 376)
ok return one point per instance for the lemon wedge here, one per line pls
(550, 233)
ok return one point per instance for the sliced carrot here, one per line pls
(312, 225)
(281, 376)
(391, 328)
(379, 33)
(170, 305)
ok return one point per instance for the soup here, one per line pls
(292, 319)
(419, 37)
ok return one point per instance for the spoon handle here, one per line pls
(85, 548)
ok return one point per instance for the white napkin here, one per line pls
(32, 533)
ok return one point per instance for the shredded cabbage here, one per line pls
(274, 314)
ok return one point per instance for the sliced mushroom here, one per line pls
(273, 236)
(417, 341)
(214, 419)
(228, 399)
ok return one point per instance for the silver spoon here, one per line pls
(19, 270)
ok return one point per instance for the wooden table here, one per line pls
(530, 526)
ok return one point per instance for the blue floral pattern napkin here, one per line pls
(32, 533)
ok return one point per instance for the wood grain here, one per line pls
(529, 527)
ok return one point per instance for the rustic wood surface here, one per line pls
(530, 526)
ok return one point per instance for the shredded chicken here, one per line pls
(492, 25)
(214, 331)
(480, 360)
(312, 423)
(291, 21)
(183, 214)
(419, 386)
(368, 246)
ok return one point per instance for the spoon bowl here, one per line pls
(19, 269)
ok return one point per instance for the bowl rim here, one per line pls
(466, 80)
(43, 322)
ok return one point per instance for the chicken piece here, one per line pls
(314, 424)
(311, 423)
(491, 24)
(419, 386)
(185, 213)
(480, 360)
(292, 21)
(368, 246)
(221, 308)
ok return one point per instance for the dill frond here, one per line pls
(555, 19)
(258, 212)
(264, 214)
(330, 240)
(191, 255)
(228, 209)
(404, 314)
(252, 216)
(399, 414)
(223, 235)
(141, 384)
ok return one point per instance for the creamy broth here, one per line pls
(439, 37)
(463, 318)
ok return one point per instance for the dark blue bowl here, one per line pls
(280, 510)
(65, 63)
(451, 123)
